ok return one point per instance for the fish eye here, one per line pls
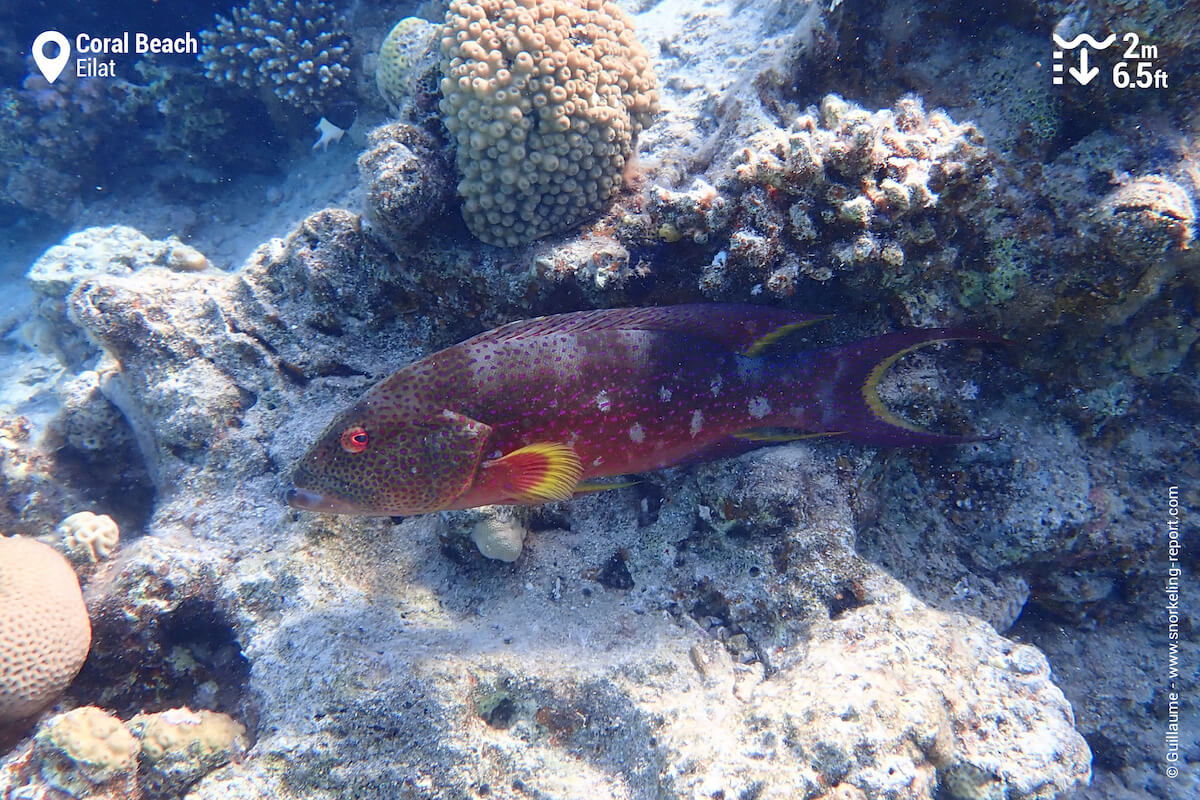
(354, 439)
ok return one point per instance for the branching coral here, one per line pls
(295, 48)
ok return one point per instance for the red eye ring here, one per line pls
(354, 440)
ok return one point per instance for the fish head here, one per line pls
(370, 464)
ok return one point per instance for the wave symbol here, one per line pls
(1083, 37)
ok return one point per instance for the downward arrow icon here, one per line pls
(1083, 74)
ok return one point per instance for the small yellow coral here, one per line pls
(669, 233)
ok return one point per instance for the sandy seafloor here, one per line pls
(815, 619)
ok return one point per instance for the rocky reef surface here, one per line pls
(811, 620)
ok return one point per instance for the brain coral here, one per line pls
(44, 628)
(545, 101)
(89, 536)
(295, 48)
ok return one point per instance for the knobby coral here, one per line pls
(545, 101)
(880, 200)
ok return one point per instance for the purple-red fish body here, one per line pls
(537, 410)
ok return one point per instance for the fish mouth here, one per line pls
(315, 501)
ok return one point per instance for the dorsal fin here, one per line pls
(741, 328)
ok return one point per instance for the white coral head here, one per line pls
(89, 536)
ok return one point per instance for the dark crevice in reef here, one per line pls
(114, 480)
(189, 656)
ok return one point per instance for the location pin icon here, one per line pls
(51, 68)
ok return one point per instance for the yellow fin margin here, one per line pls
(599, 486)
(763, 342)
(870, 388)
(554, 478)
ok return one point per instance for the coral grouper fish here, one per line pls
(537, 410)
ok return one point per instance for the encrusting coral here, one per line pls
(86, 753)
(180, 746)
(545, 101)
(88, 536)
(408, 49)
(294, 48)
(44, 628)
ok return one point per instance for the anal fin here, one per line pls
(780, 435)
(588, 487)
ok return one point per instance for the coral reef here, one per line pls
(88, 536)
(295, 49)
(52, 138)
(711, 595)
(44, 628)
(806, 621)
(156, 131)
(407, 182)
(545, 102)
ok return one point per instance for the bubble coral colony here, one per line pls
(545, 101)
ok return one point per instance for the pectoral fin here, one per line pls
(536, 473)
